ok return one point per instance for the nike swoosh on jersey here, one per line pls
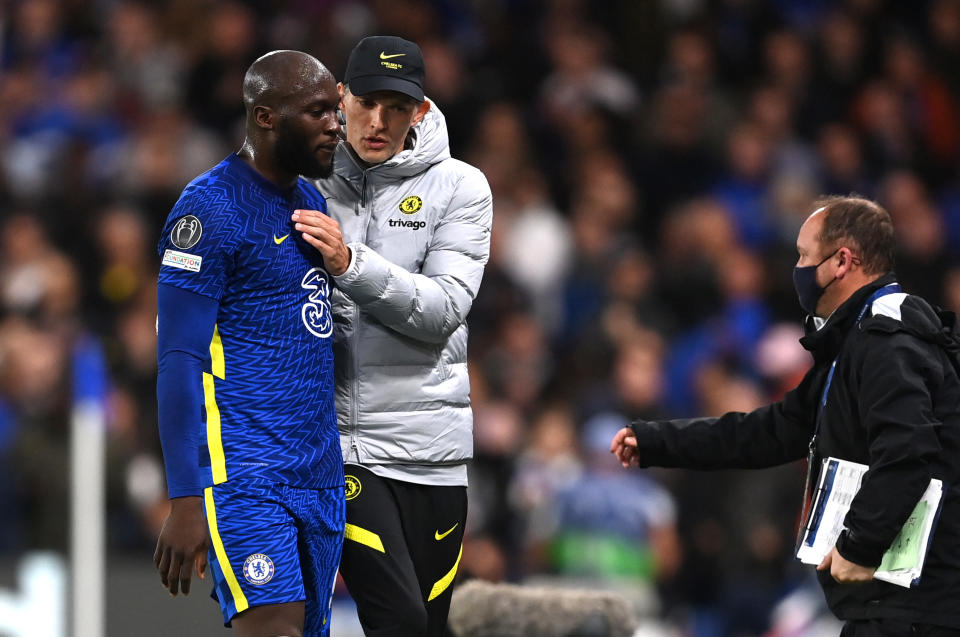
(439, 536)
(281, 239)
(384, 56)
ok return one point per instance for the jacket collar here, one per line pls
(824, 343)
(427, 144)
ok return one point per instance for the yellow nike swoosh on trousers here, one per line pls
(384, 56)
(439, 536)
(280, 240)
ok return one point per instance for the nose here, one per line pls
(331, 125)
(377, 118)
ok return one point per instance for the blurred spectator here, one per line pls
(582, 77)
(66, 144)
(148, 69)
(843, 169)
(548, 463)
(788, 65)
(534, 221)
(39, 39)
(34, 379)
(498, 431)
(163, 153)
(229, 43)
(744, 190)
(39, 298)
(613, 525)
(772, 110)
(922, 261)
(780, 359)
(635, 386)
(931, 111)
(951, 291)
(890, 143)
(125, 255)
(501, 147)
(448, 84)
(842, 66)
(693, 239)
(943, 20)
(36, 281)
(680, 161)
(518, 364)
(729, 331)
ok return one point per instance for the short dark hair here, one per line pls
(864, 224)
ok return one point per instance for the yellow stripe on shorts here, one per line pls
(444, 582)
(363, 536)
(239, 599)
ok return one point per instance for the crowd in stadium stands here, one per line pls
(651, 162)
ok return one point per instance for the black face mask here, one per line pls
(805, 283)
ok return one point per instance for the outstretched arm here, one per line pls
(766, 437)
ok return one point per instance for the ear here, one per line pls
(341, 106)
(264, 117)
(847, 261)
(421, 111)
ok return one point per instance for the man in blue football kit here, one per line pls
(245, 382)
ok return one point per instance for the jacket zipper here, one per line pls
(355, 348)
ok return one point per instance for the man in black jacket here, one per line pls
(891, 401)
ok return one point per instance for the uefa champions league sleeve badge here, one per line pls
(186, 233)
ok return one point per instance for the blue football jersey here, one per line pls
(268, 382)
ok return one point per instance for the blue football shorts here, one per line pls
(272, 543)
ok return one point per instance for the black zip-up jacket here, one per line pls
(894, 405)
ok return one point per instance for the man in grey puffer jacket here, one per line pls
(406, 242)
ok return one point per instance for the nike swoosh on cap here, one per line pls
(384, 56)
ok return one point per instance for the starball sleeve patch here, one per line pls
(186, 232)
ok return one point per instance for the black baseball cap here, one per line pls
(385, 63)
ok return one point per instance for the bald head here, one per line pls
(279, 75)
(292, 128)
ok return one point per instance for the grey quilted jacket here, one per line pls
(418, 226)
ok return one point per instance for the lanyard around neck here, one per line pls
(892, 288)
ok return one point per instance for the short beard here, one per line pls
(294, 156)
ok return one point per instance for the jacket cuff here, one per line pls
(648, 442)
(352, 267)
(852, 551)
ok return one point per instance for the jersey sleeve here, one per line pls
(198, 245)
(185, 324)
